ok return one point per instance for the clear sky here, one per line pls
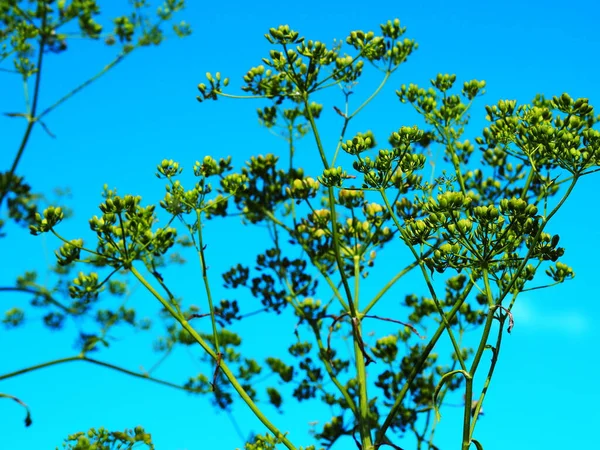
(544, 393)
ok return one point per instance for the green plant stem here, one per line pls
(332, 376)
(334, 231)
(488, 380)
(83, 85)
(224, 368)
(466, 437)
(373, 95)
(527, 183)
(313, 126)
(456, 165)
(202, 258)
(355, 320)
(82, 357)
(249, 97)
(466, 443)
(347, 118)
(31, 116)
(124, 236)
(365, 432)
(22, 403)
(342, 135)
(335, 237)
(417, 367)
(536, 239)
(43, 293)
(86, 250)
(356, 261)
(418, 258)
(323, 352)
(432, 432)
(363, 423)
(393, 281)
(317, 333)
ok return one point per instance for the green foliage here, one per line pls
(102, 439)
(32, 33)
(21, 202)
(477, 233)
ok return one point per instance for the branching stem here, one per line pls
(225, 369)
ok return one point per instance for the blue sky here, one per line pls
(543, 394)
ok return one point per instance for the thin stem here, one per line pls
(224, 368)
(417, 367)
(46, 295)
(487, 326)
(31, 118)
(488, 380)
(466, 437)
(83, 85)
(315, 131)
(391, 283)
(248, 97)
(418, 258)
(338, 257)
(26, 98)
(323, 353)
(372, 96)
(456, 165)
(201, 256)
(84, 358)
(361, 373)
(22, 403)
(348, 117)
(335, 236)
(468, 412)
(527, 183)
(358, 348)
(162, 359)
(536, 239)
(329, 369)
(87, 250)
(342, 133)
(124, 236)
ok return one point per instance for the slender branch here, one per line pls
(418, 366)
(315, 131)
(476, 360)
(399, 322)
(22, 403)
(343, 132)
(373, 95)
(360, 365)
(83, 85)
(162, 359)
(202, 259)
(348, 117)
(44, 294)
(323, 351)
(418, 258)
(224, 368)
(466, 437)
(536, 240)
(31, 118)
(84, 358)
(495, 352)
(361, 373)
(391, 283)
